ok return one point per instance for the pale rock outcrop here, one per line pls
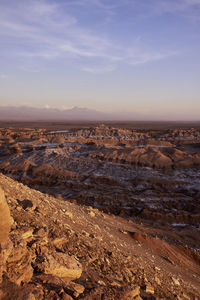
(5, 218)
(5, 224)
(61, 265)
(21, 257)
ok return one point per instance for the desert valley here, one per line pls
(100, 150)
(100, 211)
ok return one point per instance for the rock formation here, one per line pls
(5, 219)
(5, 224)
(112, 213)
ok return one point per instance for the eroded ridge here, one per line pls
(117, 213)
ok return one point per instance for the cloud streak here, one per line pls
(184, 8)
(49, 30)
(98, 69)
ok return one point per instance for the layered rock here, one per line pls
(5, 218)
(58, 264)
(5, 225)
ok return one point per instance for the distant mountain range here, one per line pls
(26, 113)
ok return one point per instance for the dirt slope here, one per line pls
(64, 251)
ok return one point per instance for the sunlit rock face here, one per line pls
(5, 225)
(5, 218)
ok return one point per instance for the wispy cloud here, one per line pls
(99, 69)
(50, 30)
(192, 2)
(89, 52)
(150, 57)
(182, 7)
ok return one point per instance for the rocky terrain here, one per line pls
(100, 213)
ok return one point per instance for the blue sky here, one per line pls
(140, 56)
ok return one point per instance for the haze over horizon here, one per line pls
(125, 56)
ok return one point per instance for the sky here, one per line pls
(134, 56)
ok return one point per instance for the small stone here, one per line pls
(135, 291)
(114, 283)
(27, 234)
(186, 296)
(66, 297)
(91, 213)
(41, 232)
(30, 297)
(107, 261)
(101, 282)
(85, 233)
(176, 281)
(28, 205)
(149, 289)
(69, 214)
(157, 280)
(124, 231)
(96, 227)
(59, 242)
(79, 289)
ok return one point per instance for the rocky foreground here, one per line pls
(54, 249)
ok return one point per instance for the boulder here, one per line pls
(59, 264)
(5, 219)
(19, 267)
(5, 224)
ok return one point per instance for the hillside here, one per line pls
(59, 250)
